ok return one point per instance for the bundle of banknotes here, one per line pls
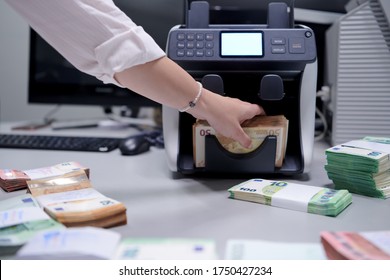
(92, 243)
(21, 218)
(13, 180)
(311, 199)
(71, 200)
(258, 128)
(361, 166)
(344, 245)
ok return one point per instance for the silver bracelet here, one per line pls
(192, 103)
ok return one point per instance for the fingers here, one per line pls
(240, 134)
(241, 137)
(256, 110)
(214, 108)
(260, 110)
(244, 139)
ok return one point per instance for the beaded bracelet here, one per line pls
(192, 104)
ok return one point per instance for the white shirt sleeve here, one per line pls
(94, 35)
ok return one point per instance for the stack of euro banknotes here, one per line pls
(361, 166)
(71, 200)
(299, 197)
(21, 217)
(354, 245)
(14, 179)
(65, 193)
(258, 128)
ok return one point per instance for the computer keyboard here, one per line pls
(51, 142)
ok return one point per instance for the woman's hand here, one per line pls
(226, 115)
(164, 81)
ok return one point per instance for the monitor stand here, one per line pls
(110, 121)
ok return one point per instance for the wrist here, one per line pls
(204, 108)
(192, 103)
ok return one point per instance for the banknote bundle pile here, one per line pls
(258, 128)
(344, 245)
(71, 200)
(21, 218)
(13, 180)
(361, 166)
(81, 243)
(97, 243)
(311, 199)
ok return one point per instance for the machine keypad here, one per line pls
(204, 45)
(195, 44)
(295, 45)
(278, 45)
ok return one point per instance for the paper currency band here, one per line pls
(192, 103)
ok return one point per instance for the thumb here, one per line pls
(243, 138)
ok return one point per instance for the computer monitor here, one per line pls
(53, 80)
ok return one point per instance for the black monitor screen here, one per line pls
(53, 80)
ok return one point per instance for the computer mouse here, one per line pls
(134, 145)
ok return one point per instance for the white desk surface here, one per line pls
(165, 204)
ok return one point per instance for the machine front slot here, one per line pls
(245, 86)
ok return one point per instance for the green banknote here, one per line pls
(13, 236)
(361, 166)
(383, 140)
(311, 199)
(329, 202)
(369, 184)
(354, 158)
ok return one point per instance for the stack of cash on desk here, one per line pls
(361, 166)
(21, 218)
(71, 200)
(311, 199)
(349, 245)
(14, 180)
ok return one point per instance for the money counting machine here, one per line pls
(272, 64)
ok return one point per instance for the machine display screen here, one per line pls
(242, 44)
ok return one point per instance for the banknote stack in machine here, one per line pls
(361, 166)
(258, 128)
(311, 199)
(13, 180)
(71, 200)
